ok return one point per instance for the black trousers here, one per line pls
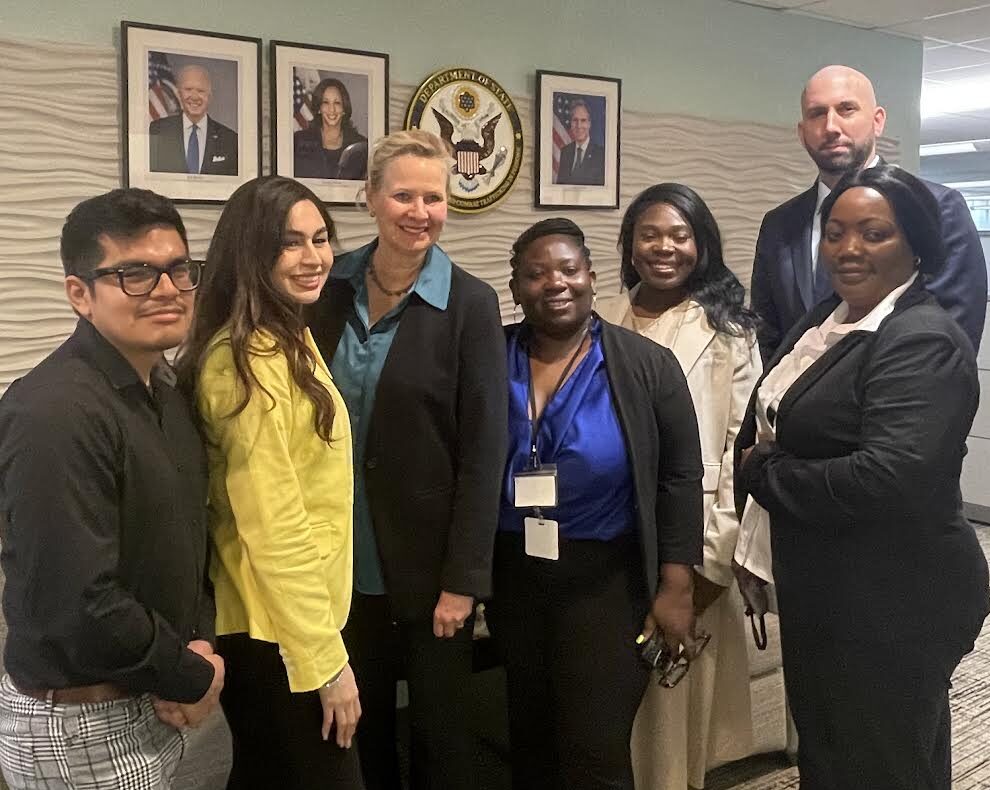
(870, 715)
(566, 631)
(438, 673)
(276, 733)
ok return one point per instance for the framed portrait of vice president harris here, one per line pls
(577, 140)
(191, 111)
(328, 106)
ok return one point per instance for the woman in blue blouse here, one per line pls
(600, 521)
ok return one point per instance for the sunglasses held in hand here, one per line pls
(670, 668)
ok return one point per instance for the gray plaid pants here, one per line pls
(119, 745)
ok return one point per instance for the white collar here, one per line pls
(187, 124)
(824, 191)
(871, 321)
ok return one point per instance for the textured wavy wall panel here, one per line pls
(59, 143)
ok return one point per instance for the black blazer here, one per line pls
(862, 485)
(309, 160)
(655, 410)
(782, 285)
(168, 153)
(591, 171)
(437, 440)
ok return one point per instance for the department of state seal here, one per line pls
(480, 128)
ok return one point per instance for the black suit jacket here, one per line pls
(862, 485)
(168, 153)
(436, 443)
(654, 406)
(310, 161)
(591, 171)
(782, 287)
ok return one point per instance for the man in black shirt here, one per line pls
(103, 487)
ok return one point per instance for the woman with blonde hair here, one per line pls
(415, 345)
(280, 491)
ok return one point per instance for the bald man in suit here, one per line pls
(840, 122)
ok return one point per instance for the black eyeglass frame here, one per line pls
(120, 271)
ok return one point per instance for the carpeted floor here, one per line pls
(970, 701)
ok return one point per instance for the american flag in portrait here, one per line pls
(561, 127)
(163, 99)
(301, 114)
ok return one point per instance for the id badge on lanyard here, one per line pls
(542, 538)
(536, 487)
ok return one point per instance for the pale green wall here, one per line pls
(700, 57)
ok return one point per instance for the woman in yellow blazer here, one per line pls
(281, 483)
(682, 296)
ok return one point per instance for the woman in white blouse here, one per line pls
(881, 583)
(681, 295)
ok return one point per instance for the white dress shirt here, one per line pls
(187, 126)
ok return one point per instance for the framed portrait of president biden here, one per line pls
(191, 111)
(328, 105)
(578, 120)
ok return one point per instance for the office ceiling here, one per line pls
(956, 35)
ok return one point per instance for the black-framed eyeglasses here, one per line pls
(140, 279)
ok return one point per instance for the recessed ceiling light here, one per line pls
(941, 98)
(942, 149)
(967, 184)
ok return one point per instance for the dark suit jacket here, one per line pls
(656, 413)
(862, 485)
(168, 153)
(591, 171)
(437, 440)
(782, 287)
(310, 161)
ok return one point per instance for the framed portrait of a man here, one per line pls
(191, 111)
(577, 140)
(328, 105)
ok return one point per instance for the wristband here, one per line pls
(333, 681)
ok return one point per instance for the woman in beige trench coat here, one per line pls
(681, 295)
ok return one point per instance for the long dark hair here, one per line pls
(711, 284)
(347, 127)
(237, 291)
(915, 209)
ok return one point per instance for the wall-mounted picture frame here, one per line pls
(191, 111)
(578, 140)
(328, 105)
